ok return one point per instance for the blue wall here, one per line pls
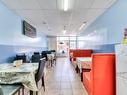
(114, 20)
(12, 41)
(106, 48)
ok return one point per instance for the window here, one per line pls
(80, 38)
(62, 38)
(73, 38)
(72, 44)
(80, 44)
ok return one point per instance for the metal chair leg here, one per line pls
(31, 92)
(36, 92)
(43, 83)
(23, 90)
(19, 92)
(51, 63)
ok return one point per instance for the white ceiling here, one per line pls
(47, 16)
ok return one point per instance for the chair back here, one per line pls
(37, 53)
(40, 71)
(44, 54)
(21, 57)
(103, 74)
(35, 58)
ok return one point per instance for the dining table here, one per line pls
(84, 60)
(51, 58)
(24, 74)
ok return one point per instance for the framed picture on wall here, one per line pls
(29, 30)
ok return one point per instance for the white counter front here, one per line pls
(121, 69)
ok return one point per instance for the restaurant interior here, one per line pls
(63, 47)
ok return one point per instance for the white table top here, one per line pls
(24, 74)
(84, 59)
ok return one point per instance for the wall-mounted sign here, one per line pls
(29, 30)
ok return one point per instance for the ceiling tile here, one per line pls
(47, 4)
(52, 16)
(22, 4)
(79, 16)
(36, 12)
(65, 18)
(74, 27)
(111, 3)
(101, 3)
(81, 4)
(93, 14)
(35, 16)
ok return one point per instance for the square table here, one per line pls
(83, 60)
(24, 74)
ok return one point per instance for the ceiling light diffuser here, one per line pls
(64, 31)
(84, 23)
(66, 5)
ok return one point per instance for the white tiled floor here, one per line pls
(62, 80)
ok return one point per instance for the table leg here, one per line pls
(43, 83)
(51, 63)
(76, 69)
(82, 76)
(23, 90)
(19, 92)
(31, 92)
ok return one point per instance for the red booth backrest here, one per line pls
(81, 53)
(103, 74)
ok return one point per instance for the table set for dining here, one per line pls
(81, 61)
(23, 75)
(51, 58)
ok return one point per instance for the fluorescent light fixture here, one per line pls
(64, 31)
(66, 5)
(84, 23)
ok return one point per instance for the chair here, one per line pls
(43, 54)
(100, 80)
(21, 56)
(54, 56)
(11, 89)
(40, 75)
(49, 56)
(35, 57)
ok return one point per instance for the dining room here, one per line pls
(63, 47)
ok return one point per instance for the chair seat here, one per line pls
(10, 89)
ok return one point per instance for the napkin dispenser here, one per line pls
(17, 63)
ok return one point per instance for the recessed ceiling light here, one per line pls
(44, 22)
(64, 31)
(84, 23)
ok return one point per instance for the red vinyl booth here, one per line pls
(101, 79)
(79, 53)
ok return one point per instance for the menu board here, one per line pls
(29, 30)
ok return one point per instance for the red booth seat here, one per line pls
(101, 79)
